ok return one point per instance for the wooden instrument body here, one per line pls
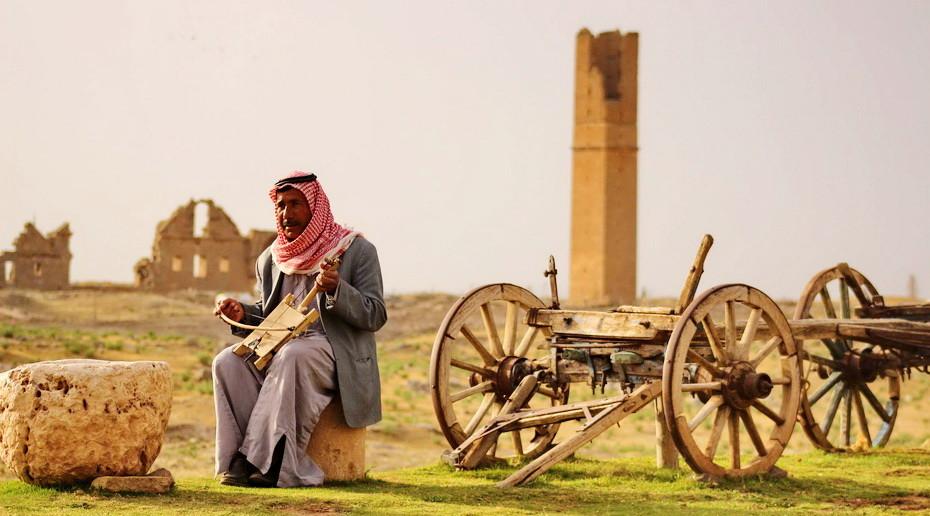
(284, 323)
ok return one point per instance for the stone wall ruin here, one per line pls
(219, 259)
(38, 261)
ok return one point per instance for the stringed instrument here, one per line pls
(284, 323)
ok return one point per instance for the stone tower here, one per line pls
(603, 243)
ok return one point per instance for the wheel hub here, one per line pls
(862, 367)
(510, 371)
(743, 385)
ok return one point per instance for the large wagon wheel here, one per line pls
(748, 381)
(476, 364)
(841, 375)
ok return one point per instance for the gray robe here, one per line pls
(254, 410)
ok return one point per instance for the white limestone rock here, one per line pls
(69, 421)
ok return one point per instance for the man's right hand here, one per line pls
(230, 308)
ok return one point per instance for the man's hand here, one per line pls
(230, 308)
(328, 279)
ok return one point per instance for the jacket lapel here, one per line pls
(277, 282)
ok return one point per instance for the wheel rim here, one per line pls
(481, 352)
(850, 401)
(731, 404)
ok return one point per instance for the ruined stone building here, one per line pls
(38, 261)
(603, 228)
(218, 259)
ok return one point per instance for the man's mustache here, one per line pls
(290, 223)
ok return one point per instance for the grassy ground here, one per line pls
(872, 483)
(126, 325)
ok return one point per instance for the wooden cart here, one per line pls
(730, 374)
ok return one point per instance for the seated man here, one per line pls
(264, 419)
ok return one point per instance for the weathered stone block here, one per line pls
(159, 481)
(338, 449)
(69, 421)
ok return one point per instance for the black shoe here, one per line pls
(238, 473)
(257, 479)
(270, 479)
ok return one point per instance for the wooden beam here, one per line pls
(636, 400)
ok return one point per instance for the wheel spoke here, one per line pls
(489, 326)
(712, 404)
(770, 346)
(834, 378)
(720, 421)
(729, 316)
(487, 373)
(844, 299)
(846, 417)
(710, 330)
(701, 387)
(510, 328)
(485, 386)
(827, 303)
(749, 333)
(524, 347)
(863, 422)
(734, 440)
(701, 361)
(486, 356)
(827, 422)
(836, 347)
(753, 432)
(781, 381)
(819, 360)
(517, 441)
(845, 309)
(479, 414)
(767, 412)
(876, 405)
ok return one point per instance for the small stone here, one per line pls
(145, 485)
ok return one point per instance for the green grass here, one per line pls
(873, 483)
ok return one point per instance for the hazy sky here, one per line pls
(797, 133)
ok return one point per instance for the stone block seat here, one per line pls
(68, 421)
(338, 449)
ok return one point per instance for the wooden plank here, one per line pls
(640, 397)
(609, 325)
(657, 310)
(909, 312)
(694, 275)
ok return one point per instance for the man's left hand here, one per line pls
(328, 280)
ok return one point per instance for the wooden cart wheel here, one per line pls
(844, 377)
(476, 364)
(745, 384)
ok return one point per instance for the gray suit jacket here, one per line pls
(349, 324)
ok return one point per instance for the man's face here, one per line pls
(292, 211)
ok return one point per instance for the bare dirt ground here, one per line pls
(123, 324)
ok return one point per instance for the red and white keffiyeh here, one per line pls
(322, 238)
